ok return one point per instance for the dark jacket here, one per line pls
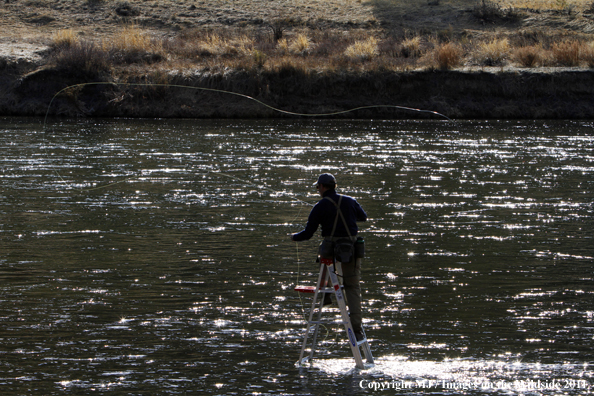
(324, 213)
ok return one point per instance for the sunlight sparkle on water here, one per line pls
(201, 211)
(507, 374)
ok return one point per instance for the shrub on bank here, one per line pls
(82, 57)
(301, 45)
(131, 45)
(363, 50)
(567, 53)
(447, 56)
(411, 47)
(64, 38)
(494, 52)
(588, 52)
(528, 56)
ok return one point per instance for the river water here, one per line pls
(152, 257)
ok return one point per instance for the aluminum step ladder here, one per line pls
(313, 324)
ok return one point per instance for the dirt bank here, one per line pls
(464, 94)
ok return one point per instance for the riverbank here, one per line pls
(464, 59)
(490, 93)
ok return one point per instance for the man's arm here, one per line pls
(313, 222)
(360, 213)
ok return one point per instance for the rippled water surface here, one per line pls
(152, 257)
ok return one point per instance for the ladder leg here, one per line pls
(363, 343)
(367, 352)
(345, 319)
(314, 341)
(312, 310)
(306, 336)
(366, 349)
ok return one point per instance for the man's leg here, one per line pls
(324, 283)
(351, 276)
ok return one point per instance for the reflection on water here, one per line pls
(506, 375)
(152, 256)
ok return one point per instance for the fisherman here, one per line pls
(337, 227)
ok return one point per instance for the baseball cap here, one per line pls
(325, 178)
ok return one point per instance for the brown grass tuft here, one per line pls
(283, 46)
(447, 56)
(566, 53)
(64, 38)
(130, 38)
(301, 45)
(529, 56)
(493, 53)
(411, 48)
(363, 50)
(216, 45)
(131, 45)
(82, 57)
(588, 53)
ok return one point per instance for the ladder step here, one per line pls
(312, 289)
(305, 289)
(328, 321)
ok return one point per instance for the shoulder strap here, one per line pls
(339, 213)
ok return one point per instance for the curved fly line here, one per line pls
(251, 98)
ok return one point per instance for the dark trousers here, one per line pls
(351, 273)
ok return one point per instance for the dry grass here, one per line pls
(313, 44)
(494, 11)
(411, 47)
(216, 45)
(528, 56)
(301, 45)
(131, 45)
(494, 52)
(363, 50)
(283, 45)
(82, 57)
(547, 4)
(447, 56)
(64, 38)
(129, 38)
(588, 54)
(232, 48)
(327, 34)
(567, 53)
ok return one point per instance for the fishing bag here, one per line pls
(326, 249)
(344, 250)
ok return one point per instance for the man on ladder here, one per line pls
(338, 216)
